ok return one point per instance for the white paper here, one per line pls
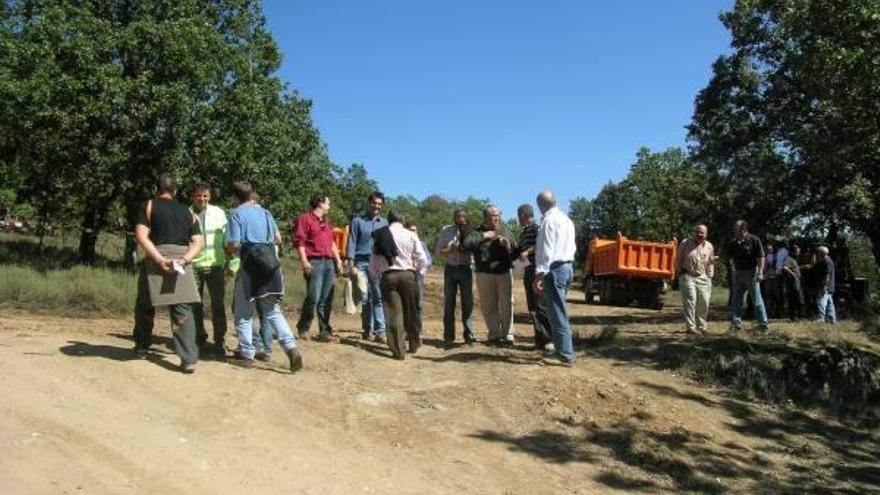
(520, 264)
(178, 267)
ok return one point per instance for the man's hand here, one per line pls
(339, 268)
(307, 268)
(760, 277)
(490, 234)
(505, 243)
(166, 265)
(538, 285)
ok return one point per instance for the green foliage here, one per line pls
(434, 212)
(662, 197)
(787, 126)
(98, 98)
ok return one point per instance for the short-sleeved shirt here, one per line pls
(745, 252)
(315, 234)
(251, 224)
(696, 259)
(170, 222)
(824, 268)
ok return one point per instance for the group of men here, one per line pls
(751, 266)
(546, 253)
(189, 249)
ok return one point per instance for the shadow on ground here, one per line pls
(791, 452)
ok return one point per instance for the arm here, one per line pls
(353, 235)
(420, 258)
(196, 242)
(142, 236)
(299, 242)
(304, 260)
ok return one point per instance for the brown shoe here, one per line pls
(244, 363)
(304, 336)
(325, 337)
(380, 339)
(296, 360)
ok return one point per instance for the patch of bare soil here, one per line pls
(80, 414)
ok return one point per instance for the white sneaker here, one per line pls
(511, 338)
(549, 347)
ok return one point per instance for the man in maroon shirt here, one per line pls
(313, 239)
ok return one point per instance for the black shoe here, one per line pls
(296, 360)
(141, 352)
(365, 335)
(263, 356)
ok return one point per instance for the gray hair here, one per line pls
(823, 250)
(545, 200)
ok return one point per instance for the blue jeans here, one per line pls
(556, 284)
(272, 319)
(319, 295)
(825, 305)
(458, 278)
(372, 312)
(747, 280)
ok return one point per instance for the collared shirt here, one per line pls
(360, 237)
(490, 256)
(315, 234)
(745, 251)
(556, 241)
(695, 259)
(251, 224)
(451, 236)
(410, 254)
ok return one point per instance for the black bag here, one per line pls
(263, 256)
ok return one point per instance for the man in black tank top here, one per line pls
(170, 236)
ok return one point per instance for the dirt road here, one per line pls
(79, 414)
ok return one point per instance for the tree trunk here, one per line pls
(88, 239)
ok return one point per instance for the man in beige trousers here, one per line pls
(695, 264)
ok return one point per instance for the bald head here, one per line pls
(491, 217)
(545, 200)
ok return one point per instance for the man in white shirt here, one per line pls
(554, 255)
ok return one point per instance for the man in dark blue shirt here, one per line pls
(824, 271)
(360, 250)
(747, 254)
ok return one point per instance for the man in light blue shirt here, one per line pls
(360, 250)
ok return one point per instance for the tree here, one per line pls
(100, 97)
(788, 124)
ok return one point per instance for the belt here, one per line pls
(318, 258)
(557, 264)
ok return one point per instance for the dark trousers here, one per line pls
(215, 278)
(319, 297)
(458, 279)
(183, 329)
(795, 296)
(400, 292)
(539, 316)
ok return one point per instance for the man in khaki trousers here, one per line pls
(695, 264)
(492, 246)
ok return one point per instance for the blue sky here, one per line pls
(498, 99)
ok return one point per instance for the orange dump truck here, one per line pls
(622, 270)
(340, 238)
